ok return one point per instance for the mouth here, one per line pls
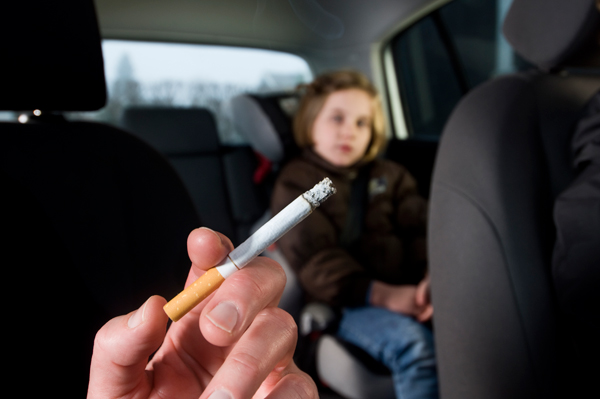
(346, 149)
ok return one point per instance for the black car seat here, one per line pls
(218, 177)
(502, 160)
(189, 139)
(266, 122)
(95, 221)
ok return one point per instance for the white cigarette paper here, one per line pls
(268, 234)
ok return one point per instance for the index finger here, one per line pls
(207, 248)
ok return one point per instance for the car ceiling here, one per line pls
(322, 31)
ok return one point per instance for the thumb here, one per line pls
(422, 293)
(122, 348)
(425, 314)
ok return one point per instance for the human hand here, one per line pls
(412, 300)
(423, 300)
(397, 298)
(236, 344)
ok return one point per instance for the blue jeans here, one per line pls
(401, 343)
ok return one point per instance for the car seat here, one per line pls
(95, 220)
(266, 121)
(502, 160)
(189, 139)
(219, 178)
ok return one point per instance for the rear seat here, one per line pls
(219, 178)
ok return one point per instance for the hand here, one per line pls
(236, 344)
(397, 298)
(412, 300)
(423, 300)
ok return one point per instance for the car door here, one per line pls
(431, 65)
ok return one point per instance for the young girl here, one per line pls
(378, 278)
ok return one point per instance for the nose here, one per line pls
(348, 131)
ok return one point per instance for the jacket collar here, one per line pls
(348, 172)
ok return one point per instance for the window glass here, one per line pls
(442, 56)
(183, 75)
(428, 83)
(8, 116)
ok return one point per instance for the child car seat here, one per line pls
(265, 120)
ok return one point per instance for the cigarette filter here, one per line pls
(269, 233)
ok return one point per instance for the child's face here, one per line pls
(342, 130)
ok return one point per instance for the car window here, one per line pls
(7, 116)
(186, 75)
(441, 57)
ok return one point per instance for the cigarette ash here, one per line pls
(320, 192)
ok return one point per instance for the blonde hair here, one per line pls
(315, 95)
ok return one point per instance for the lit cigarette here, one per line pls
(270, 232)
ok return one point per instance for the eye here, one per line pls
(337, 118)
(363, 123)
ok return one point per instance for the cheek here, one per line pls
(320, 136)
(365, 141)
(322, 147)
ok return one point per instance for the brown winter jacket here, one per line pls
(391, 247)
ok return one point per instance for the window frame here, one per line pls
(394, 104)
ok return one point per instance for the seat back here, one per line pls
(502, 160)
(97, 220)
(189, 139)
(247, 196)
(218, 177)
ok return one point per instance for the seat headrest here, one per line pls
(266, 122)
(173, 131)
(51, 56)
(553, 33)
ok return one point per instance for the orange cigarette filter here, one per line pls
(187, 299)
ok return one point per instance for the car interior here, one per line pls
(496, 316)
(100, 193)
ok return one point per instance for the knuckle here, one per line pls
(282, 321)
(248, 286)
(300, 386)
(276, 274)
(266, 281)
(105, 342)
(101, 339)
(276, 266)
(247, 364)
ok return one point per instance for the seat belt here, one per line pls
(356, 209)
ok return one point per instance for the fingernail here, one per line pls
(137, 318)
(220, 394)
(224, 316)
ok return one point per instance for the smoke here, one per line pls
(317, 19)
